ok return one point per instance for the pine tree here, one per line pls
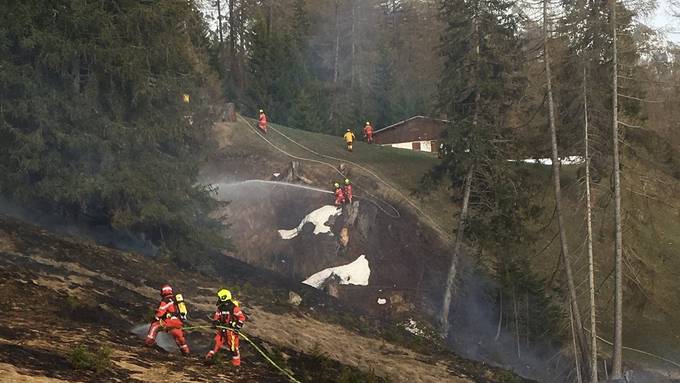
(480, 47)
(93, 122)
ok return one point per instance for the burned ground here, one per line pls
(61, 295)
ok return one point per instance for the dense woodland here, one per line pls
(93, 124)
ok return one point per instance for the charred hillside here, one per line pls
(95, 296)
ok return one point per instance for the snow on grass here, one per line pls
(318, 218)
(355, 273)
(412, 327)
(569, 160)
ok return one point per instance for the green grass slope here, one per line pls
(393, 174)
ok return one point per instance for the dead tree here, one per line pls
(617, 363)
(589, 239)
(578, 323)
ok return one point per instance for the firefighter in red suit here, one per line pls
(348, 191)
(228, 320)
(262, 124)
(368, 132)
(169, 319)
(339, 195)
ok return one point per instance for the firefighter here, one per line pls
(262, 124)
(347, 190)
(169, 317)
(349, 139)
(368, 132)
(228, 320)
(339, 195)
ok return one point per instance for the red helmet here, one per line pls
(166, 290)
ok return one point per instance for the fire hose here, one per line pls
(255, 346)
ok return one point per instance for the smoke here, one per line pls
(163, 340)
(102, 235)
(474, 334)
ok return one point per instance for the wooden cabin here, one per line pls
(417, 133)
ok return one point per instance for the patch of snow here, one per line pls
(412, 327)
(569, 160)
(382, 301)
(276, 175)
(318, 217)
(355, 273)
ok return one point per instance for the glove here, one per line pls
(237, 325)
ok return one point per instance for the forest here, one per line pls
(94, 126)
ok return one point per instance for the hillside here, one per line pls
(94, 297)
(651, 272)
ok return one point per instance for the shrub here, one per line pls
(83, 359)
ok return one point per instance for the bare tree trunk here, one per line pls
(617, 363)
(573, 298)
(75, 69)
(460, 234)
(336, 59)
(232, 29)
(270, 18)
(219, 20)
(589, 222)
(500, 316)
(453, 268)
(576, 353)
(354, 44)
(514, 301)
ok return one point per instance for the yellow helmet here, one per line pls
(224, 295)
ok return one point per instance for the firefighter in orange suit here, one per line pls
(168, 317)
(348, 191)
(339, 195)
(228, 320)
(262, 124)
(368, 132)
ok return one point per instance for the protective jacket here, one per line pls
(339, 197)
(368, 132)
(263, 122)
(167, 318)
(348, 193)
(349, 137)
(228, 318)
